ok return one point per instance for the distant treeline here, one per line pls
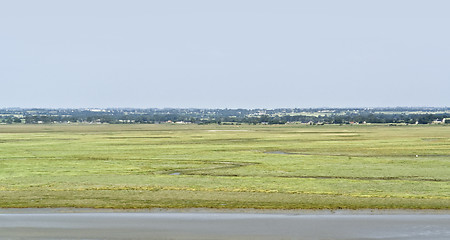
(226, 116)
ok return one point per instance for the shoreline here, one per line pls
(231, 211)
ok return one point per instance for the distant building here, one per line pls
(437, 121)
(443, 121)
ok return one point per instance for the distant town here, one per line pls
(312, 116)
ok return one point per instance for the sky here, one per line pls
(224, 54)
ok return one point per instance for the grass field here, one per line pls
(183, 166)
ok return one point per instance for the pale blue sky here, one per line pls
(224, 54)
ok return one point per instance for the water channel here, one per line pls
(216, 225)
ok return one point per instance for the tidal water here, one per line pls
(97, 225)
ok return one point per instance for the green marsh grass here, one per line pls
(212, 166)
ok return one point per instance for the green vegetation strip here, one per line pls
(213, 166)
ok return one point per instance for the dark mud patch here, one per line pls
(357, 155)
(370, 178)
(219, 165)
(401, 178)
(281, 152)
(147, 137)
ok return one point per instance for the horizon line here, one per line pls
(231, 108)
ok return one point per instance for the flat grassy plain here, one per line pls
(212, 166)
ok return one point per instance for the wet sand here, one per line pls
(216, 224)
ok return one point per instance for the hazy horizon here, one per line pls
(224, 54)
(162, 108)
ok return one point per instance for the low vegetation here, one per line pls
(216, 166)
